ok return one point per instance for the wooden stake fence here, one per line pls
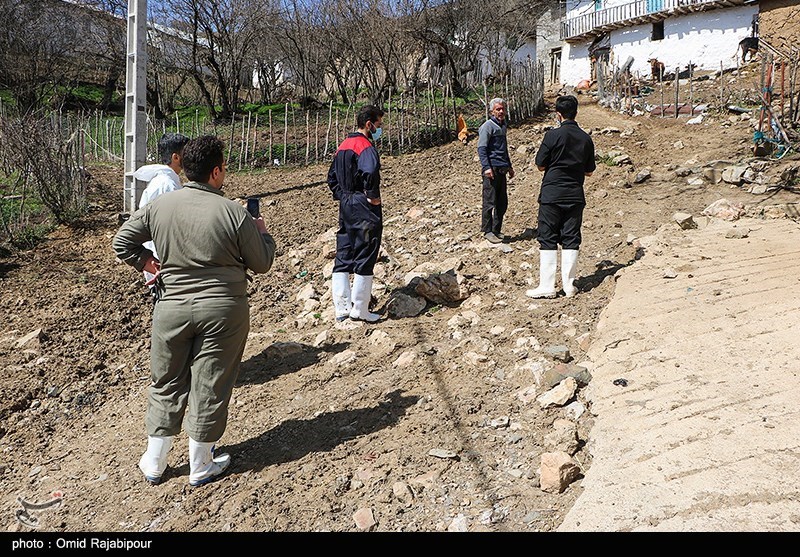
(414, 119)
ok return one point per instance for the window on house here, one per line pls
(658, 31)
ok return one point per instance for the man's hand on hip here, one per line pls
(511, 173)
(152, 265)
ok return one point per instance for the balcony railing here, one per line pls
(634, 13)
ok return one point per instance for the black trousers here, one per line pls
(495, 203)
(358, 240)
(560, 224)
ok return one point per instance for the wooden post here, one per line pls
(328, 131)
(783, 76)
(94, 140)
(402, 122)
(337, 124)
(508, 104)
(677, 73)
(177, 123)
(82, 147)
(294, 128)
(430, 102)
(241, 143)
(316, 139)
(230, 142)
(792, 78)
(388, 119)
(414, 120)
(762, 90)
(485, 100)
(446, 92)
(308, 137)
(691, 90)
(247, 138)
(285, 131)
(253, 152)
(455, 114)
(270, 137)
(721, 94)
(120, 142)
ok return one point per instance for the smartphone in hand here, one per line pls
(252, 207)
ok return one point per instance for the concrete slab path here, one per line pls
(706, 434)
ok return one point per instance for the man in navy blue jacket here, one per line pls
(354, 179)
(495, 166)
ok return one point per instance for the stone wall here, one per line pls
(779, 22)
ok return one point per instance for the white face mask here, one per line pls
(376, 133)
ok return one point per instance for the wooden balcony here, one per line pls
(593, 24)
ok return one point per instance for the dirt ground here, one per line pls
(329, 419)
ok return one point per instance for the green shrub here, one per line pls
(30, 236)
(88, 93)
(606, 160)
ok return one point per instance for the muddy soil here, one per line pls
(328, 419)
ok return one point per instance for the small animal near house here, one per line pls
(748, 45)
(656, 69)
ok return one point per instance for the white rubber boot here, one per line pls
(340, 286)
(548, 259)
(362, 294)
(569, 270)
(204, 467)
(154, 460)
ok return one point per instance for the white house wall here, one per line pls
(524, 54)
(580, 7)
(548, 28)
(704, 38)
(575, 65)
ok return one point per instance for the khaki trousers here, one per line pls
(195, 352)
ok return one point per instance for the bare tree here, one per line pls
(37, 56)
(47, 162)
(106, 44)
(269, 66)
(299, 37)
(459, 35)
(222, 34)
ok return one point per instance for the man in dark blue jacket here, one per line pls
(495, 166)
(566, 156)
(354, 179)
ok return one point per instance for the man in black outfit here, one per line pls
(566, 156)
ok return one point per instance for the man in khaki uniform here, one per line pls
(207, 244)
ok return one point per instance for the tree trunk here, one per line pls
(110, 86)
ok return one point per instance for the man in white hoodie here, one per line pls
(161, 178)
